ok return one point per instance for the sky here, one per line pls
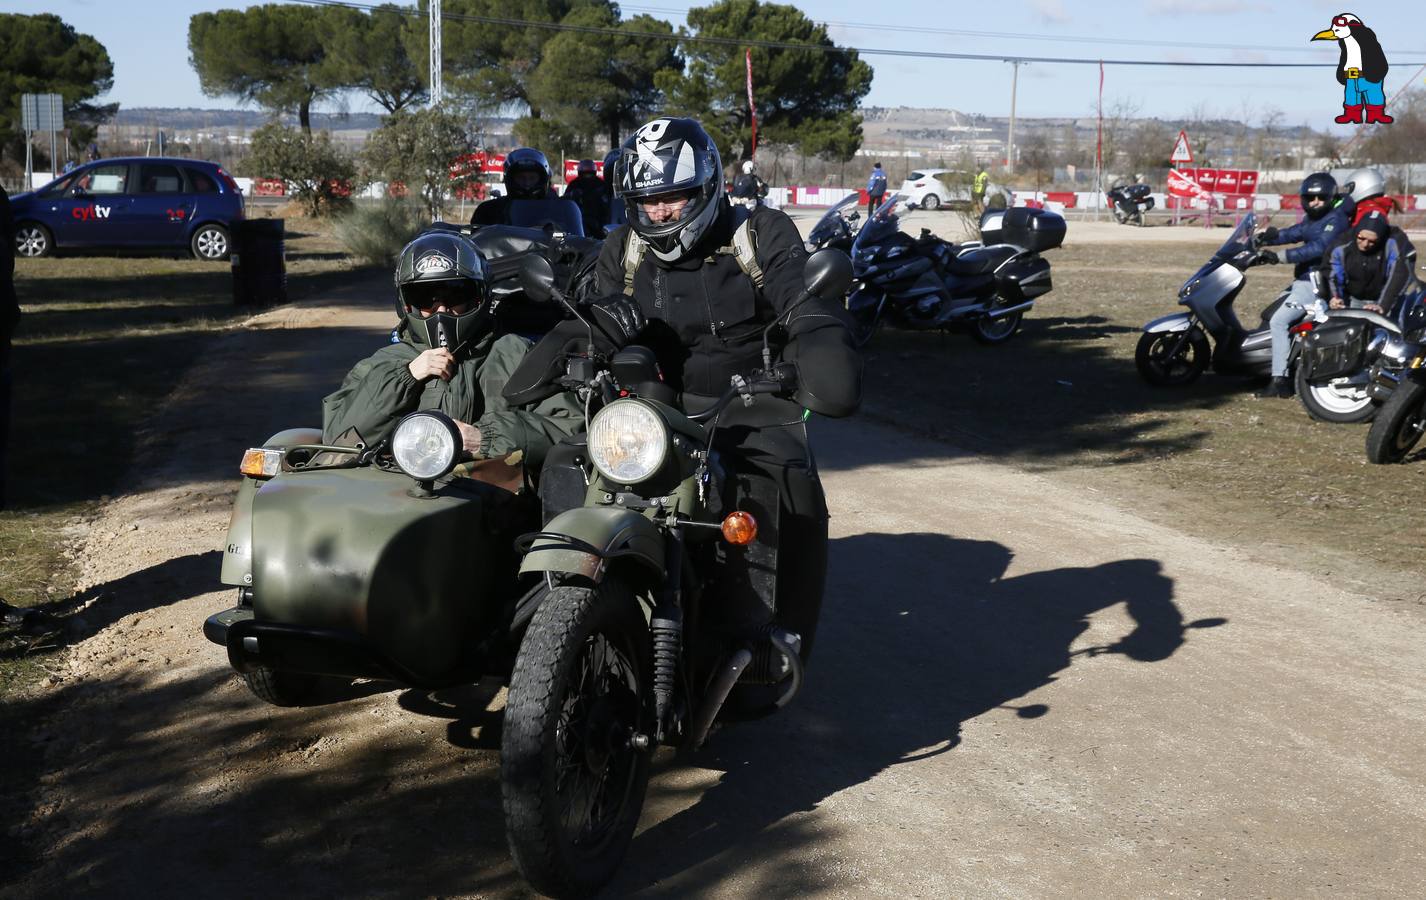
(150, 52)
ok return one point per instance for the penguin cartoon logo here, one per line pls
(1361, 69)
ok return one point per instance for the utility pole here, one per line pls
(436, 88)
(1010, 140)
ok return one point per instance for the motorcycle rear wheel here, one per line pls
(1191, 360)
(1399, 424)
(996, 331)
(572, 782)
(1330, 403)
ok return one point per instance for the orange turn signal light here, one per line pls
(740, 528)
(261, 463)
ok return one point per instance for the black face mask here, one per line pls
(456, 333)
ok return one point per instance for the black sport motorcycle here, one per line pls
(1130, 202)
(984, 287)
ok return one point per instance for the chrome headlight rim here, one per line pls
(655, 439)
(426, 445)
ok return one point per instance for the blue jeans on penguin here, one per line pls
(1300, 297)
(1360, 91)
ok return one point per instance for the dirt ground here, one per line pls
(1044, 666)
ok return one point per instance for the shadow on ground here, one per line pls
(327, 806)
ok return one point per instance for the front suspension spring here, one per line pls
(666, 625)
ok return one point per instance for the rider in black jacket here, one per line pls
(527, 177)
(674, 280)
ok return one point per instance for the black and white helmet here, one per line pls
(663, 157)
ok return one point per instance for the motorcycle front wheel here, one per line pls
(1399, 424)
(572, 776)
(996, 331)
(1166, 359)
(1335, 401)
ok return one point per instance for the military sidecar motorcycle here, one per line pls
(388, 561)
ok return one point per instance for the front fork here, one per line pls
(1183, 339)
(666, 629)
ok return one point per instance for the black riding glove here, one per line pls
(1267, 236)
(619, 317)
(1266, 258)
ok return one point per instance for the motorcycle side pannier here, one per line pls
(1334, 349)
(1024, 279)
(1034, 229)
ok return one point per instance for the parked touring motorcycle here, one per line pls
(1130, 202)
(984, 287)
(340, 554)
(630, 644)
(837, 228)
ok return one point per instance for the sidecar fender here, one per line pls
(238, 548)
(584, 541)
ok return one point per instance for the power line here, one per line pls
(820, 48)
(1023, 36)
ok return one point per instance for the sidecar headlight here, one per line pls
(425, 445)
(628, 442)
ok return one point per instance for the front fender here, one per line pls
(583, 541)
(1175, 322)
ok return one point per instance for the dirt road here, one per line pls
(1020, 690)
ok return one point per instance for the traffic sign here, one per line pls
(1181, 152)
(42, 112)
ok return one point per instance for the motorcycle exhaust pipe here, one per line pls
(717, 695)
(1007, 310)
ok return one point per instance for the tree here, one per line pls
(418, 148)
(808, 98)
(602, 83)
(369, 53)
(1404, 140)
(1149, 146)
(43, 55)
(318, 174)
(271, 55)
(492, 62)
(1036, 154)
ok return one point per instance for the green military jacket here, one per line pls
(380, 389)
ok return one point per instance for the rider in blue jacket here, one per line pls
(1316, 232)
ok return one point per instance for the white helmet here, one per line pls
(748, 167)
(1365, 183)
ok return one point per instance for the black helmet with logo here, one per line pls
(667, 156)
(527, 174)
(441, 268)
(1318, 185)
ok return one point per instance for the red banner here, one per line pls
(752, 107)
(1183, 184)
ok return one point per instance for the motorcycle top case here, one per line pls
(1036, 230)
(1335, 348)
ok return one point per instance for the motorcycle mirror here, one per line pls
(537, 278)
(827, 273)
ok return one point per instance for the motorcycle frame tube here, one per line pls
(595, 536)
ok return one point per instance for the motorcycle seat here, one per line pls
(979, 260)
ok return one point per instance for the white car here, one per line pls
(934, 188)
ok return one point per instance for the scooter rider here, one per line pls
(697, 281)
(446, 355)
(527, 177)
(1368, 271)
(1316, 232)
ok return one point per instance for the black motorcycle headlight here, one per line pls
(425, 445)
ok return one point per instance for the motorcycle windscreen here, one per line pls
(559, 215)
(1241, 239)
(352, 550)
(885, 221)
(827, 226)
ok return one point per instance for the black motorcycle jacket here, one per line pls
(587, 192)
(706, 315)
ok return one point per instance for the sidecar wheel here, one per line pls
(282, 688)
(1336, 401)
(572, 781)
